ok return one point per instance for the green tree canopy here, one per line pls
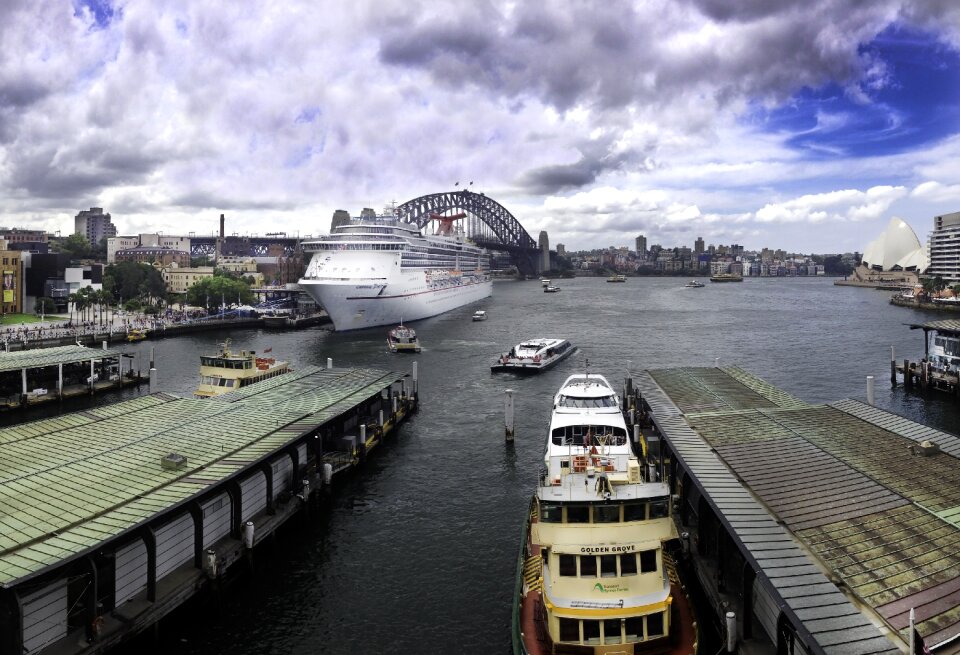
(130, 280)
(75, 245)
(210, 292)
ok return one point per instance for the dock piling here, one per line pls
(508, 416)
(329, 362)
(104, 345)
(152, 357)
(415, 386)
(636, 434)
(893, 367)
(716, 362)
(248, 534)
(907, 377)
(153, 380)
(731, 632)
(870, 395)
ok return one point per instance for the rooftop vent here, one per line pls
(925, 448)
(173, 461)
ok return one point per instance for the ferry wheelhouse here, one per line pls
(597, 572)
(228, 371)
(374, 270)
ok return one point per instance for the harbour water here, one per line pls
(417, 552)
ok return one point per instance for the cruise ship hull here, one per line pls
(354, 306)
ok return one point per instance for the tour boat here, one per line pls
(228, 371)
(551, 289)
(479, 315)
(694, 284)
(597, 569)
(403, 339)
(617, 278)
(534, 355)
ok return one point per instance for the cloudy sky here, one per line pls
(799, 125)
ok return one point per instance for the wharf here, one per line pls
(819, 526)
(32, 377)
(111, 518)
(934, 371)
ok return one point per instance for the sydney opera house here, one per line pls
(896, 257)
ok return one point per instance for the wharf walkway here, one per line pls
(112, 517)
(818, 525)
(31, 377)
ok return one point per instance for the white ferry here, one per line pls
(403, 339)
(595, 573)
(533, 355)
(374, 270)
(227, 371)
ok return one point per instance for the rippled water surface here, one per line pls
(416, 553)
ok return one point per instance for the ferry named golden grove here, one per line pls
(378, 270)
(597, 572)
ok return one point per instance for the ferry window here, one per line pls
(659, 509)
(648, 561)
(551, 513)
(628, 564)
(588, 566)
(611, 631)
(606, 513)
(591, 632)
(635, 512)
(578, 514)
(568, 565)
(633, 627)
(654, 625)
(608, 566)
(570, 630)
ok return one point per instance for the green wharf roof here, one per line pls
(69, 483)
(14, 361)
(947, 325)
(847, 479)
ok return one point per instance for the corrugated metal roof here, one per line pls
(826, 619)
(719, 389)
(946, 325)
(51, 357)
(69, 483)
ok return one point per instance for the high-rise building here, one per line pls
(698, 246)
(561, 249)
(94, 225)
(641, 245)
(944, 247)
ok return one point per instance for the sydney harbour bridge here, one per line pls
(485, 221)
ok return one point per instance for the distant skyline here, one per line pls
(802, 126)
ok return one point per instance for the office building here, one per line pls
(94, 224)
(944, 248)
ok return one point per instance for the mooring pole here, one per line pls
(415, 386)
(508, 432)
(893, 367)
(870, 395)
(329, 362)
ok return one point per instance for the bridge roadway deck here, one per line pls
(845, 524)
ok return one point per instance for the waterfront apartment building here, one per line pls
(698, 246)
(179, 279)
(94, 224)
(116, 244)
(641, 246)
(944, 248)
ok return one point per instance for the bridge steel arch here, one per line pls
(513, 238)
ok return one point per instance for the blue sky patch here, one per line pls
(917, 104)
(101, 10)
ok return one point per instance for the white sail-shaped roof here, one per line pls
(897, 248)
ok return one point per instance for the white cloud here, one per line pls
(843, 205)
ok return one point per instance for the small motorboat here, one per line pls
(479, 315)
(136, 335)
(402, 339)
(617, 278)
(694, 284)
(551, 289)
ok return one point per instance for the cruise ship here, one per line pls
(377, 270)
(597, 571)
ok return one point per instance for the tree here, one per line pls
(956, 290)
(75, 245)
(44, 306)
(929, 286)
(211, 292)
(939, 284)
(133, 280)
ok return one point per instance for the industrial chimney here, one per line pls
(221, 226)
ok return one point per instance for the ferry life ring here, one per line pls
(96, 626)
(536, 360)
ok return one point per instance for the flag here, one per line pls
(918, 645)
